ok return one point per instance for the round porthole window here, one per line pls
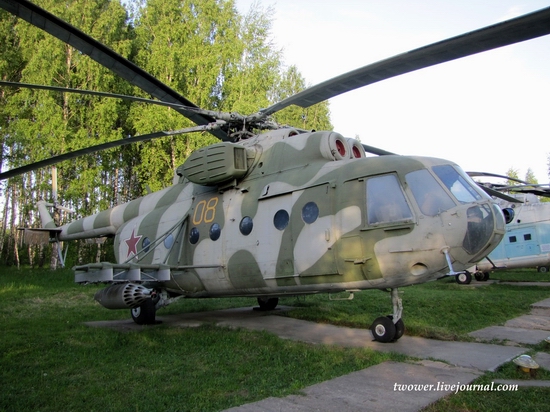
(215, 231)
(246, 225)
(280, 220)
(169, 241)
(310, 212)
(194, 235)
(145, 244)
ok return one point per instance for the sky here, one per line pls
(488, 112)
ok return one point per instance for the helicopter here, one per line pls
(274, 211)
(526, 243)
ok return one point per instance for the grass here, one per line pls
(51, 361)
(520, 275)
(441, 310)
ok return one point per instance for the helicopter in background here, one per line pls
(275, 211)
(526, 243)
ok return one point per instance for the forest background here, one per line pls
(204, 49)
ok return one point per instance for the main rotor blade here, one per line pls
(178, 106)
(516, 30)
(500, 195)
(376, 150)
(105, 56)
(513, 179)
(539, 189)
(116, 143)
(90, 92)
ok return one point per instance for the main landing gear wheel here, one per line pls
(464, 278)
(145, 313)
(399, 328)
(268, 303)
(384, 329)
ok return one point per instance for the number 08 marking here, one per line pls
(205, 211)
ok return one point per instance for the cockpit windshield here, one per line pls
(385, 201)
(457, 184)
(432, 199)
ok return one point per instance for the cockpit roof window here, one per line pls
(385, 201)
(431, 198)
(457, 184)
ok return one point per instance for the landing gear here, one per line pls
(464, 278)
(482, 276)
(385, 329)
(399, 328)
(145, 313)
(268, 303)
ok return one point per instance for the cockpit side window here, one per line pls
(385, 201)
(428, 193)
(457, 184)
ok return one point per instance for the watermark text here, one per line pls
(453, 387)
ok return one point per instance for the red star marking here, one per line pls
(132, 243)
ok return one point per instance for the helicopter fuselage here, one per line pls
(299, 213)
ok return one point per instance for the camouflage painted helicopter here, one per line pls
(276, 211)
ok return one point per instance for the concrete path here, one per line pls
(526, 329)
(481, 356)
(465, 354)
(387, 386)
(541, 284)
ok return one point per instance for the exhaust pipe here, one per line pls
(123, 296)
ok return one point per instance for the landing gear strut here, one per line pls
(387, 328)
(267, 303)
(464, 278)
(145, 314)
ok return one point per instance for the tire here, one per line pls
(543, 269)
(383, 330)
(145, 313)
(464, 278)
(399, 328)
(268, 303)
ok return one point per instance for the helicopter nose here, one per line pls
(485, 229)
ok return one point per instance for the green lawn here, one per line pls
(51, 361)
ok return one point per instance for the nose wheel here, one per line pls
(386, 328)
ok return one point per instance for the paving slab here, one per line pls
(516, 335)
(529, 322)
(541, 284)
(389, 386)
(477, 283)
(480, 356)
(543, 359)
(542, 303)
(193, 319)
(466, 354)
(541, 308)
